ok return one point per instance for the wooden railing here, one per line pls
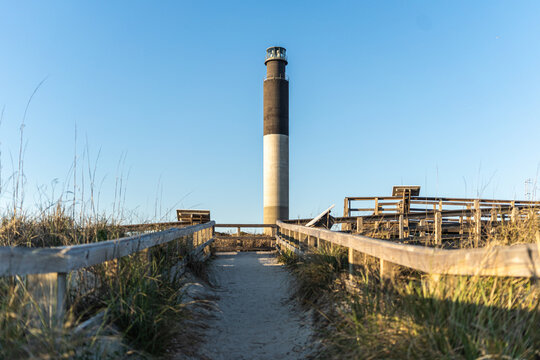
(46, 269)
(515, 261)
(432, 219)
(238, 227)
(245, 241)
(420, 204)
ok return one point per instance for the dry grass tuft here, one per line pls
(138, 294)
(423, 317)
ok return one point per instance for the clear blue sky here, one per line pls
(445, 95)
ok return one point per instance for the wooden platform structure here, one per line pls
(407, 216)
(193, 217)
(432, 219)
(185, 218)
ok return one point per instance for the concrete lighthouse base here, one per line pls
(276, 177)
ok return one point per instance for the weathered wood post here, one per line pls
(311, 242)
(48, 292)
(438, 228)
(208, 249)
(376, 226)
(387, 270)
(190, 241)
(359, 224)
(401, 235)
(461, 227)
(61, 294)
(354, 258)
(351, 263)
(406, 228)
(432, 283)
(514, 213)
(195, 239)
(388, 227)
(305, 241)
(345, 226)
(238, 232)
(478, 222)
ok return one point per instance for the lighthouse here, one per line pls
(276, 137)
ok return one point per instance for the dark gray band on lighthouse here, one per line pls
(276, 106)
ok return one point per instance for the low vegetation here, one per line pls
(144, 302)
(55, 228)
(136, 298)
(417, 316)
(316, 272)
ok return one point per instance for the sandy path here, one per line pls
(257, 319)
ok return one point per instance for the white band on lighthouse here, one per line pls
(276, 170)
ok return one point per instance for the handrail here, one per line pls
(152, 226)
(47, 268)
(444, 199)
(245, 225)
(516, 261)
(23, 261)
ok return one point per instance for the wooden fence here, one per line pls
(245, 241)
(514, 261)
(238, 227)
(46, 269)
(420, 204)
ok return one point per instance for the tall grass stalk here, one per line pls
(144, 302)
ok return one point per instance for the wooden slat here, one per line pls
(246, 225)
(150, 226)
(198, 212)
(518, 260)
(374, 197)
(244, 237)
(415, 215)
(445, 199)
(22, 261)
(285, 244)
